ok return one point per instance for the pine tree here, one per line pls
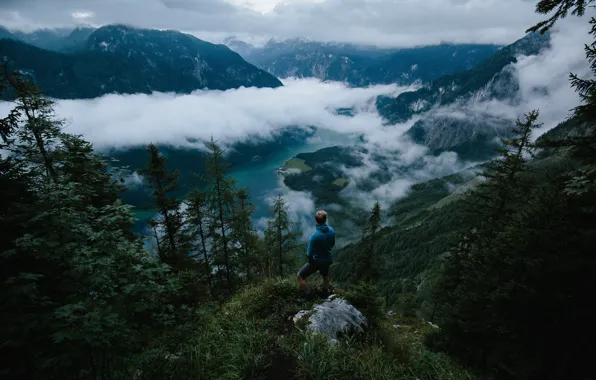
(221, 195)
(561, 9)
(31, 127)
(198, 220)
(244, 237)
(365, 266)
(494, 198)
(162, 183)
(280, 232)
(79, 294)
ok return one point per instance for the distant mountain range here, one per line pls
(87, 63)
(472, 135)
(361, 65)
(467, 133)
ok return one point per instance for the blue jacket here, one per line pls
(321, 243)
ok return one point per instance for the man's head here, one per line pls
(321, 217)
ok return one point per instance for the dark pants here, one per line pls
(312, 267)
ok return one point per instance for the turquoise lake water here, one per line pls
(261, 177)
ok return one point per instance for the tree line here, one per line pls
(82, 296)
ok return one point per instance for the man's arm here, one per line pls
(309, 249)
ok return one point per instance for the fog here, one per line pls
(122, 121)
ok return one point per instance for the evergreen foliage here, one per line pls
(162, 183)
(510, 296)
(221, 197)
(80, 296)
(280, 235)
(505, 269)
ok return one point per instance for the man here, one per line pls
(319, 252)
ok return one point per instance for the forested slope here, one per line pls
(125, 60)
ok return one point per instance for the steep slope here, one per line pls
(467, 131)
(488, 79)
(119, 59)
(424, 224)
(5, 33)
(64, 40)
(361, 65)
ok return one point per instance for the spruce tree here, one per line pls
(494, 197)
(221, 196)
(365, 268)
(79, 294)
(31, 126)
(198, 221)
(162, 183)
(280, 232)
(244, 237)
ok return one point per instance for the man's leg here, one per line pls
(306, 270)
(324, 270)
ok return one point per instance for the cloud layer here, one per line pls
(394, 23)
(130, 120)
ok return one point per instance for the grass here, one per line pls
(341, 182)
(252, 337)
(297, 163)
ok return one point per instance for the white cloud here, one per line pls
(131, 120)
(301, 209)
(376, 22)
(543, 80)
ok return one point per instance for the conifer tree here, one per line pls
(244, 237)
(494, 198)
(162, 183)
(365, 266)
(198, 220)
(79, 295)
(280, 232)
(221, 196)
(31, 126)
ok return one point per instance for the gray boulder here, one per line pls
(335, 315)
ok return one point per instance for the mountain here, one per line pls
(489, 79)
(465, 131)
(361, 65)
(471, 134)
(121, 59)
(61, 40)
(5, 33)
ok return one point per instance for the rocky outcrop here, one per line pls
(333, 317)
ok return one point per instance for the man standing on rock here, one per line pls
(319, 253)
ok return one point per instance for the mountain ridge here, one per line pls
(139, 61)
(360, 65)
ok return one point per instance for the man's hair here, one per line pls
(321, 217)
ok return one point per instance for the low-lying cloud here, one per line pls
(543, 81)
(122, 121)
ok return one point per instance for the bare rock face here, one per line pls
(332, 317)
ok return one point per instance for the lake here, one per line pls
(261, 177)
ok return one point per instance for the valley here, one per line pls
(161, 164)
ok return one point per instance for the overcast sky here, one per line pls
(378, 22)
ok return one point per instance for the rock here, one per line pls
(335, 315)
(433, 325)
(396, 326)
(391, 313)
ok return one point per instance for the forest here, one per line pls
(493, 282)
